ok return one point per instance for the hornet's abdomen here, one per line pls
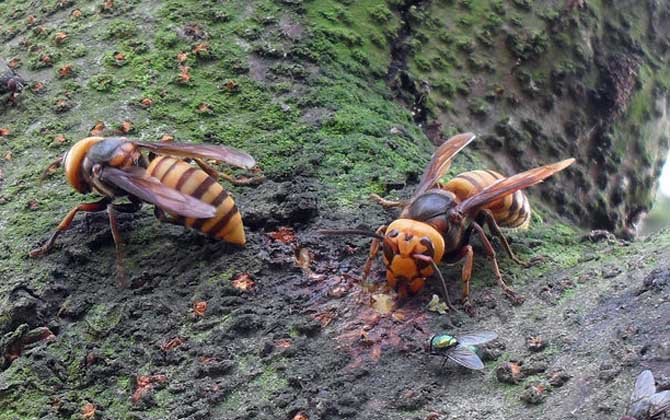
(512, 210)
(226, 224)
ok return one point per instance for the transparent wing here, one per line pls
(441, 161)
(509, 185)
(137, 182)
(465, 357)
(477, 338)
(644, 386)
(660, 401)
(229, 155)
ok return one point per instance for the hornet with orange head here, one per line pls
(437, 222)
(115, 167)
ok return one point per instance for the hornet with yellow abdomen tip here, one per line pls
(115, 167)
(437, 222)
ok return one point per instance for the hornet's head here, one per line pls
(411, 248)
(88, 156)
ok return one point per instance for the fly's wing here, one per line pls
(441, 161)
(228, 155)
(644, 386)
(660, 401)
(137, 182)
(511, 184)
(477, 338)
(465, 357)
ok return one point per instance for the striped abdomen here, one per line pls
(177, 174)
(513, 210)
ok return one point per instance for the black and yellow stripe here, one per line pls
(226, 224)
(512, 210)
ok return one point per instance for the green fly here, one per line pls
(460, 349)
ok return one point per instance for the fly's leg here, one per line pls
(67, 221)
(509, 293)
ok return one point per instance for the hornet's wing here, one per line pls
(229, 155)
(441, 161)
(137, 182)
(509, 185)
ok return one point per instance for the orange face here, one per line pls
(407, 244)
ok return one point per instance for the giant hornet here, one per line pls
(437, 222)
(115, 167)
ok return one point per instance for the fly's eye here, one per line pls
(97, 169)
(393, 233)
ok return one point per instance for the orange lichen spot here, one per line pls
(14, 63)
(8, 155)
(97, 129)
(65, 71)
(167, 138)
(199, 308)
(4, 132)
(119, 56)
(38, 87)
(172, 344)
(301, 416)
(184, 74)
(88, 411)
(283, 234)
(30, 20)
(230, 85)
(181, 57)
(60, 37)
(46, 59)
(144, 384)
(108, 5)
(244, 282)
(283, 343)
(76, 13)
(126, 127)
(146, 102)
(201, 49)
(204, 108)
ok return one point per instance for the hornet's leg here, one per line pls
(235, 181)
(121, 278)
(386, 203)
(164, 218)
(67, 221)
(207, 168)
(466, 276)
(374, 249)
(132, 207)
(509, 293)
(495, 229)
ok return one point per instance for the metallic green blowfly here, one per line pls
(460, 349)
